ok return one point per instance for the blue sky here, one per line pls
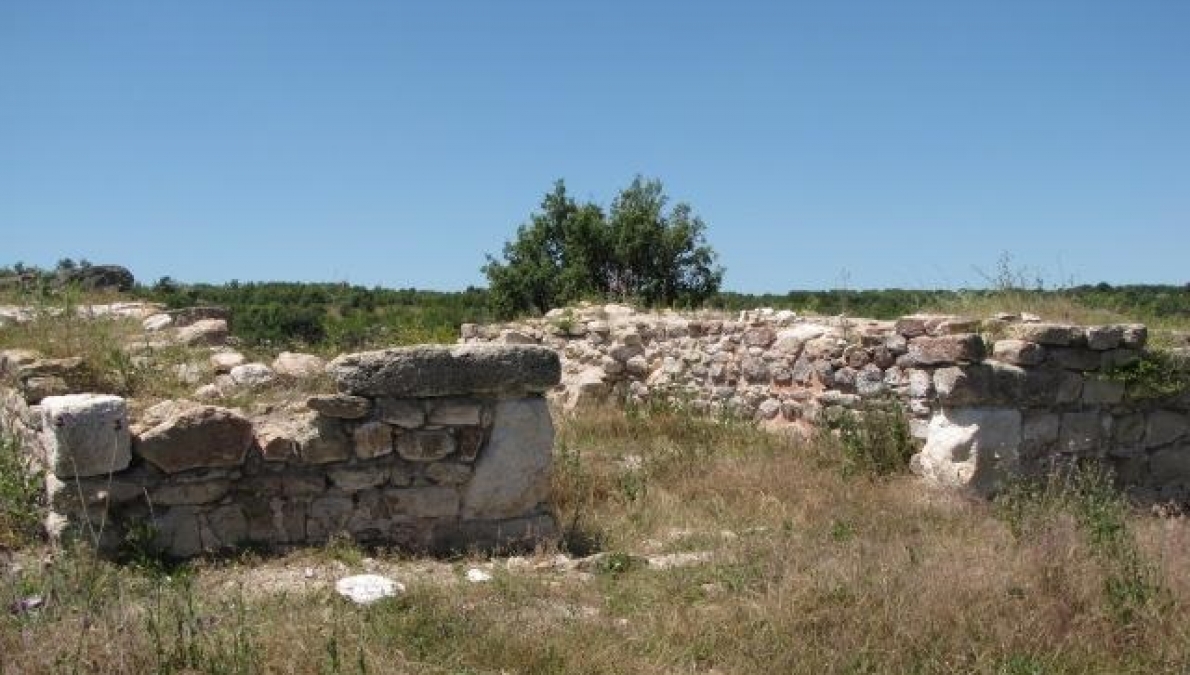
(872, 144)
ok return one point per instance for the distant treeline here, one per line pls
(328, 315)
(338, 316)
(1142, 301)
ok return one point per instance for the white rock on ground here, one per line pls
(364, 589)
(223, 362)
(252, 375)
(157, 322)
(292, 364)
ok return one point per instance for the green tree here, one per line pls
(639, 251)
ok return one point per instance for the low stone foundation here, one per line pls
(988, 398)
(425, 448)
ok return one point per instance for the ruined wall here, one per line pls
(428, 448)
(986, 398)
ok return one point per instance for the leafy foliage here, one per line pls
(638, 251)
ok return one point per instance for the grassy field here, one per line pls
(718, 549)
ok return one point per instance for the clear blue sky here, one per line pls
(869, 143)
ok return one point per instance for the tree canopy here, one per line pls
(638, 250)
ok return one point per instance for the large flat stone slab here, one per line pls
(431, 371)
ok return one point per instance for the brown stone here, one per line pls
(196, 436)
(425, 446)
(343, 406)
(946, 349)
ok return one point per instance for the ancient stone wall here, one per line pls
(427, 448)
(987, 398)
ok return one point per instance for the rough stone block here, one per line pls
(356, 478)
(946, 349)
(1098, 391)
(1135, 336)
(425, 446)
(433, 371)
(322, 441)
(200, 492)
(402, 413)
(1171, 465)
(1047, 334)
(1081, 434)
(448, 473)
(327, 516)
(423, 502)
(1074, 358)
(1164, 427)
(343, 406)
(456, 412)
(373, 439)
(85, 434)
(193, 436)
(1018, 352)
(1101, 338)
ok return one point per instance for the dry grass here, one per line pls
(813, 569)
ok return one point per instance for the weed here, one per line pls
(21, 496)
(1154, 375)
(875, 439)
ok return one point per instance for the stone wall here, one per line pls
(427, 448)
(986, 398)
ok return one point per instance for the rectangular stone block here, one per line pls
(455, 412)
(423, 502)
(1081, 433)
(85, 434)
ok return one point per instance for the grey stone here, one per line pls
(402, 413)
(372, 439)
(323, 440)
(444, 473)
(455, 412)
(425, 446)
(201, 492)
(1047, 334)
(1081, 433)
(1163, 427)
(1171, 465)
(327, 517)
(356, 478)
(85, 434)
(1098, 391)
(512, 475)
(195, 436)
(176, 532)
(1074, 358)
(1129, 430)
(755, 370)
(225, 527)
(423, 502)
(1101, 338)
(1018, 352)
(342, 406)
(429, 371)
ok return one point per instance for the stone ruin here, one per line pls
(449, 448)
(985, 399)
(426, 448)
